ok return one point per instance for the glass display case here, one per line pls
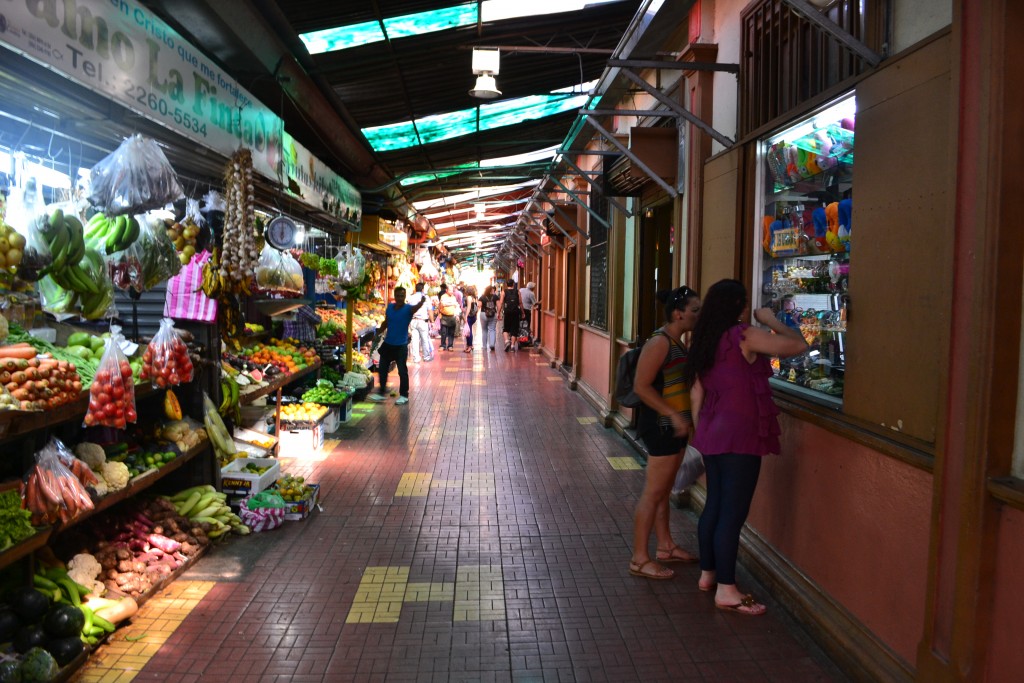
(805, 236)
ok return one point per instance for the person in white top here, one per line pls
(528, 299)
(419, 329)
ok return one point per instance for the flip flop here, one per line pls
(682, 556)
(745, 606)
(638, 570)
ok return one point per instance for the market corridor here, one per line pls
(479, 533)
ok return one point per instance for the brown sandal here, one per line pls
(638, 570)
(675, 554)
(747, 606)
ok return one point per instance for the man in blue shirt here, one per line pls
(393, 340)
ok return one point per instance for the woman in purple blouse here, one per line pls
(736, 425)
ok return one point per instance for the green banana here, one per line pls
(81, 280)
(134, 229)
(58, 247)
(116, 234)
(98, 227)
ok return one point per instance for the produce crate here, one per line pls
(234, 480)
(300, 509)
(296, 442)
(264, 443)
(345, 411)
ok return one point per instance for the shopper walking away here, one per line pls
(736, 424)
(471, 307)
(509, 312)
(450, 311)
(393, 339)
(302, 326)
(419, 330)
(528, 298)
(489, 317)
(664, 424)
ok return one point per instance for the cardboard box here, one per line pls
(234, 480)
(331, 420)
(345, 411)
(258, 443)
(299, 510)
(296, 443)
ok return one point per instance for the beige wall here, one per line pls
(721, 215)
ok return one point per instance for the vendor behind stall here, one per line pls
(302, 325)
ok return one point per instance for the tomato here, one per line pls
(161, 381)
(111, 410)
(126, 369)
(174, 378)
(117, 393)
(131, 415)
(120, 423)
(147, 357)
(90, 420)
(102, 377)
(95, 406)
(103, 398)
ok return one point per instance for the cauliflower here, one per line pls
(84, 568)
(116, 475)
(100, 485)
(91, 454)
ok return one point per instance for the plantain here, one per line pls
(59, 247)
(116, 234)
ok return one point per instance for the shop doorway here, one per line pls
(571, 308)
(654, 267)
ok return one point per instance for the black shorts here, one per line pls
(662, 440)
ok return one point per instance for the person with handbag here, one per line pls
(419, 329)
(450, 311)
(663, 424)
(393, 340)
(471, 306)
(736, 425)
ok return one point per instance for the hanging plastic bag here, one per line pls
(62, 303)
(263, 511)
(125, 268)
(25, 210)
(112, 394)
(99, 304)
(159, 258)
(269, 273)
(185, 298)
(134, 178)
(165, 362)
(187, 235)
(52, 491)
(291, 275)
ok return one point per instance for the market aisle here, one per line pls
(479, 533)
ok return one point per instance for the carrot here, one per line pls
(22, 350)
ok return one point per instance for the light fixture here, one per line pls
(649, 212)
(485, 67)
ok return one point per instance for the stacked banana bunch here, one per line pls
(77, 270)
(213, 283)
(113, 234)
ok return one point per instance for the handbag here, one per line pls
(449, 320)
(690, 469)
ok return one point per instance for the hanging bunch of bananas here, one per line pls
(64, 235)
(78, 272)
(112, 234)
(212, 282)
(229, 406)
(232, 324)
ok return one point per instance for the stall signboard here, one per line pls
(317, 185)
(123, 51)
(395, 240)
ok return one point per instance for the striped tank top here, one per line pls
(674, 388)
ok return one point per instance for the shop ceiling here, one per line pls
(336, 102)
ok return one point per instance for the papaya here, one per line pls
(79, 339)
(172, 408)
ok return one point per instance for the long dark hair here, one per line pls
(720, 310)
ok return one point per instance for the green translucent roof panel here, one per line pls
(458, 123)
(342, 37)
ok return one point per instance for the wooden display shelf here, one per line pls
(19, 422)
(138, 483)
(25, 547)
(273, 307)
(279, 382)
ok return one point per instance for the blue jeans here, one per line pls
(488, 330)
(470, 321)
(731, 480)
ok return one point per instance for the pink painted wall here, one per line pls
(594, 363)
(550, 334)
(856, 522)
(1006, 656)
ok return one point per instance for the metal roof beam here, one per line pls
(567, 217)
(611, 200)
(596, 216)
(632, 157)
(674, 106)
(678, 66)
(809, 12)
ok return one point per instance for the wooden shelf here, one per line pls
(138, 483)
(19, 422)
(272, 307)
(29, 545)
(279, 382)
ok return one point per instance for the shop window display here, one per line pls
(806, 240)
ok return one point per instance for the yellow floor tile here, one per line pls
(627, 463)
(586, 420)
(554, 379)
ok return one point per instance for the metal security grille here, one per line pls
(786, 60)
(597, 257)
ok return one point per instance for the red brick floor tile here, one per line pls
(509, 566)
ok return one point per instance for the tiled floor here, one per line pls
(479, 533)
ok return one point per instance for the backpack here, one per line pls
(625, 372)
(511, 303)
(473, 309)
(490, 306)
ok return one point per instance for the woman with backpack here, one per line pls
(664, 424)
(510, 311)
(489, 317)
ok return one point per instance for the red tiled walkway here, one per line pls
(479, 533)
